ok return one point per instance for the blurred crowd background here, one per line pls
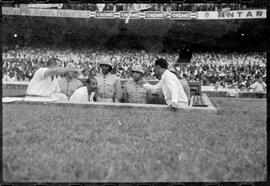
(208, 67)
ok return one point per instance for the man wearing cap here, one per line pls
(69, 83)
(170, 85)
(109, 85)
(44, 83)
(133, 93)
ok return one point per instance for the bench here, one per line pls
(198, 101)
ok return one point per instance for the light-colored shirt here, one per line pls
(135, 93)
(258, 87)
(42, 86)
(109, 86)
(186, 88)
(171, 87)
(81, 95)
(68, 87)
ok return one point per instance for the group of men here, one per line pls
(106, 87)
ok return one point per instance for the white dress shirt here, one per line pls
(258, 87)
(42, 86)
(171, 87)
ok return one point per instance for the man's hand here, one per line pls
(173, 105)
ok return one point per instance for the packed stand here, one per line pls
(229, 69)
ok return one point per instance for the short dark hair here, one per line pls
(162, 63)
(258, 76)
(110, 67)
(90, 78)
(52, 60)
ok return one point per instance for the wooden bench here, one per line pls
(198, 101)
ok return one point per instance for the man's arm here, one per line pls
(264, 86)
(153, 88)
(172, 86)
(253, 86)
(58, 70)
(75, 96)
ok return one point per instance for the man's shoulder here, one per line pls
(42, 69)
(129, 83)
(113, 76)
(81, 89)
(78, 81)
(169, 74)
(40, 72)
(61, 80)
(98, 75)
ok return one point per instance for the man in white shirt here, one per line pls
(170, 85)
(259, 85)
(44, 83)
(88, 93)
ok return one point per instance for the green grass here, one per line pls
(43, 143)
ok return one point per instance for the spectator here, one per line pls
(88, 93)
(259, 85)
(208, 67)
(69, 83)
(133, 93)
(170, 85)
(109, 85)
(43, 84)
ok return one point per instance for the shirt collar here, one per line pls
(132, 80)
(166, 71)
(107, 75)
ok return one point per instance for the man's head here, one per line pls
(259, 78)
(137, 73)
(160, 66)
(105, 65)
(53, 62)
(91, 83)
(71, 74)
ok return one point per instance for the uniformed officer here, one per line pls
(133, 92)
(69, 83)
(109, 85)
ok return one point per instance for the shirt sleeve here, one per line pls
(40, 73)
(264, 85)
(77, 96)
(254, 85)
(153, 88)
(80, 84)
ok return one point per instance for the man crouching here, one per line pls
(88, 93)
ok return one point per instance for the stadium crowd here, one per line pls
(229, 69)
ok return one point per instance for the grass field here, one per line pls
(44, 143)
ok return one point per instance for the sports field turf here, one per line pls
(43, 143)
